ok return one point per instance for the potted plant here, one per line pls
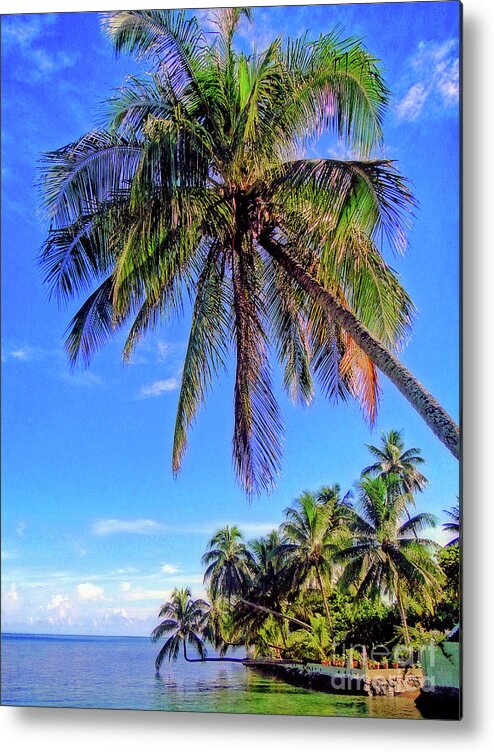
(384, 663)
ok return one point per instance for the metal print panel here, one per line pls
(257, 211)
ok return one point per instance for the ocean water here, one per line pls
(118, 672)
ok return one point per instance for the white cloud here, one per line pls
(170, 350)
(61, 604)
(169, 569)
(159, 387)
(81, 378)
(125, 586)
(53, 362)
(23, 36)
(137, 527)
(115, 526)
(12, 594)
(257, 528)
(23, 30)
(116, 615)
(88, 592)
(341, 150)
(24, 353)
(148, 595)
(412, 104)
(430, 82)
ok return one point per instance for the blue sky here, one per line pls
(95, 530)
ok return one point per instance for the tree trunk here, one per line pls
(424, 403)
(207, 660)
(203, 660)
(277, 613)
(326, 605)
(403, 616)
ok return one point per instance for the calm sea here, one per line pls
(118, 672)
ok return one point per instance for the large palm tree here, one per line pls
(387, 556)
(310, 538)
(198, 185)
(228, 563)
(186, 621)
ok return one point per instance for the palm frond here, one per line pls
(206, 350)
(92, 325)
(77, 179)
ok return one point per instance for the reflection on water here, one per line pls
(119, 673)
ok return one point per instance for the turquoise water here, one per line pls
(118, 672)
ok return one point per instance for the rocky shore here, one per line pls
(372, 682)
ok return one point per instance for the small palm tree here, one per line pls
(228, 563)
(393, 458)
(310, 538)
(338, 509)
(387, 557)
(187, 621)
(197, 186)
(184, 620)
(454, 525)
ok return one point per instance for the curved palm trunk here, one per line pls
(424, 403)
(277, 613)
(208, 660)
(325, 599)
(204, 660)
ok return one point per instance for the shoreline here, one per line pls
(371, 683)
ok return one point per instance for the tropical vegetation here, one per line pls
(198, 187)
(340, 573)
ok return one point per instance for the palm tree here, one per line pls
(310, 538)
(228, 563)
(387, 557)
(270, 585)
(185, 620)
(454, 525)
(197, 186)
(230, 574)
(338, 509)
(392, 458)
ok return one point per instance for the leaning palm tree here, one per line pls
(230, 574)
(454, 525)
(228, 563)
(186, 621)
(386, 556)
(310, 539)
(197, 185)
(270, 584)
